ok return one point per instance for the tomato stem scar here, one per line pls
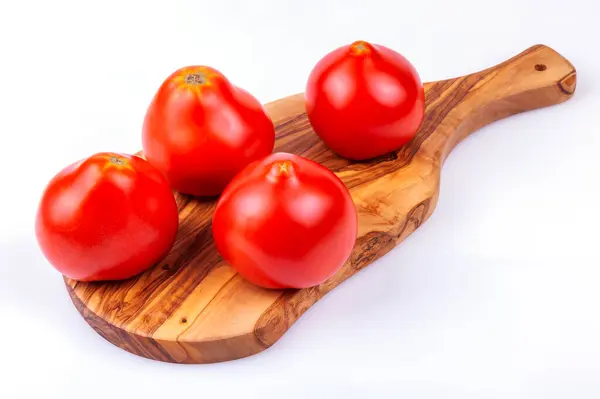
(195, 79)
(360, 47)
(281, 169)
(117, 160)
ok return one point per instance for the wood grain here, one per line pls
(193, 308)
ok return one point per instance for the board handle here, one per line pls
(538, 77)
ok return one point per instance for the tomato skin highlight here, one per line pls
(107, 217)
(364, 100)
(285, 222)
(200, 130)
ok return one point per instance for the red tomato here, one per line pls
(285, 222)
(364, 100)
(107, 217)
(200, 130)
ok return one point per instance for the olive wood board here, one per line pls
(193, 307)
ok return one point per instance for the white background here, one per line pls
(496, 296)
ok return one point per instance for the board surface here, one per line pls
(194, 308)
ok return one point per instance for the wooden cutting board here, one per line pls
(193, 308)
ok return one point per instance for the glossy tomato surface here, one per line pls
(107, 217)
(285, 222)
(200, 130)
(364, 100)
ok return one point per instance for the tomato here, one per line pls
(200, 130)
(106, 217)
(285, 222)
(364, 100)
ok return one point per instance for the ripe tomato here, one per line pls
(285, 222)
(364, 100)
(200, 130)
(106, 217)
